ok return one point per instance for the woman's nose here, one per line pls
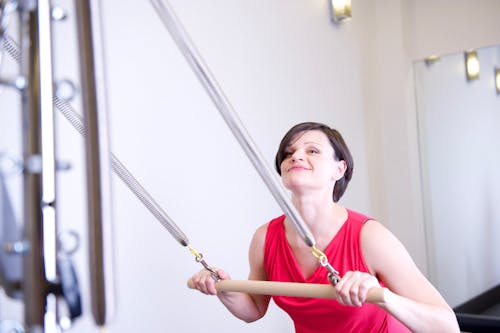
(297, 156)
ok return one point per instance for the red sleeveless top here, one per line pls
(312, 315)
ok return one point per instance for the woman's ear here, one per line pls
(339, 169)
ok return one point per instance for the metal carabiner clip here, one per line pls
(215, 276)
(333, 274)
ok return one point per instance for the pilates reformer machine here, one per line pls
(35, 264)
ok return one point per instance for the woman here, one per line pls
(316, 166)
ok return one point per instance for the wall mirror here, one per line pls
(459, 138)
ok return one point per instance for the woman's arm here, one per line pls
(243, 306)
(411, 298)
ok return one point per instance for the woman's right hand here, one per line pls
(204, 282)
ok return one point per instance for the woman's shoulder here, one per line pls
(379, 244)
(372, 231)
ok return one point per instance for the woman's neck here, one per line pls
(323, 216)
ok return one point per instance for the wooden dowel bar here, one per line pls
(274, 288)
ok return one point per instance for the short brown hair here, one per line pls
(339, 147)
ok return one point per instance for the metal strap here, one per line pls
(117, 166)
(232, 120)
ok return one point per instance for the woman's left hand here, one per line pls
(353, 288)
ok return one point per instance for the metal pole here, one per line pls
(232, 120)
(39, 267)
(97, 158)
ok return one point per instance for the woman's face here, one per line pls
(310, 163)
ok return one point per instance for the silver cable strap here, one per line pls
(232, 120)
(226, 110)
(119, 169)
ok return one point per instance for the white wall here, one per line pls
(279, 63)
(434, 24)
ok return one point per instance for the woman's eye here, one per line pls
(313, 151)
(287, 154)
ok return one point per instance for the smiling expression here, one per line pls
(310, 162)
